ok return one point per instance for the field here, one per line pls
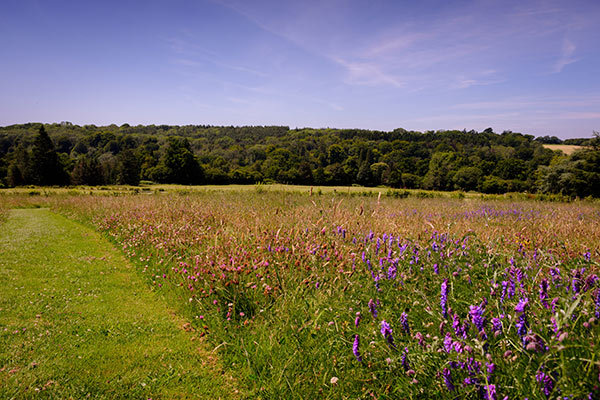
(568, 149)
(345, 294)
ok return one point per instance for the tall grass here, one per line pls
(448, 297)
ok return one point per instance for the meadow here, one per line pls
(348, 295)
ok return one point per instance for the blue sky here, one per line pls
(525, 66)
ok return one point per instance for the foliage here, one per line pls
(200, 154)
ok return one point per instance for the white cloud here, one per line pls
(566, 56)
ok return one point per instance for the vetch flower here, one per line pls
(386, 331)
(490, 392)
(448, 343)
(444, 298)
(355, 348)
(404, 322)
(522, 305)
(597, 314)
(476, 313)
(405, 359)
(373, 308)
(522, 324)
(447, 374)
(546, 382)
(544, 293)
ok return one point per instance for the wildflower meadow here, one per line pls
(340, 296)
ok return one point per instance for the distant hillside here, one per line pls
(200, 154)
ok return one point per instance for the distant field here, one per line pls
(151, 189)
(568, 149)
(259, 188)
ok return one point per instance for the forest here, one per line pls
(67, 154)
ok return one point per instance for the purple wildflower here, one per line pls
(404, 323)
(448, 379)
(470, 381)
(459, 329)
(504, 291)
(590, 281)
(576, 282)
(405, 359)
(373, 308)
(522, 305)
(355, 349)
(448, 343)
(522, 326)
(357, 320)
(473, 365)
(490, 392)
(391, 273)
(553, 303)
(544, 293)
(444, 298)
(386, 331)
(597, 304)
(477, 318)
(497, 325)
(555, 273)
(546, 381)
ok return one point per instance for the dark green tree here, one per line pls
(87, 171)
(45, 167)
(179, 164)
(467, 178)
(129, 168)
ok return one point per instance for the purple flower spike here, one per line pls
(476, 313)
(490, 392)
(386, 331)
(357, 320)
(448, 343)
(404, 322)
(522, 325)
(523, 303)
(444, 298)
(544, 293)
(497, 325)
(546, 381)
(597, 304)
(405, 364)
(355, 349)
(373, 308)
(448, 379)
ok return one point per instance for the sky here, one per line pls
(529, 66)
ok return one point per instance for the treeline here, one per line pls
(63, 154)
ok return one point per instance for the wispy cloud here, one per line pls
(581, 115)
(556, 102)
(364, 73)
(566, 56)
(193, 55)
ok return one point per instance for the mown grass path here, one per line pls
(76, 321)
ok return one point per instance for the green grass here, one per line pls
(77, 321)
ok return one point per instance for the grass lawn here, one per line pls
(77, 321)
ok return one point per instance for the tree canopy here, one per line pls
(59, 154)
